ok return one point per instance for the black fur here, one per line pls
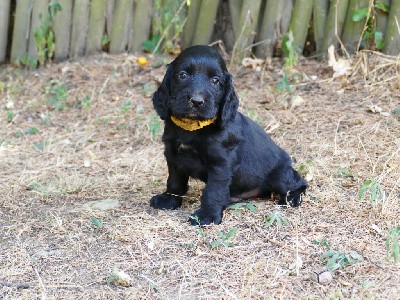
(233, 156)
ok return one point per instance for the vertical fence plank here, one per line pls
(190, 26)
(96, 25)
(141, 24)
(4, 19)
(119, 33)
(320, 13)
(62, 30)
(246, 30)
(381, 18)
(352, 30)
(205, 22)
(269, 28)
(109, 16)
(39, 13)
(80, 20)
(21, 29)
(392, 38)
(334, 24)
(234, 8)
(301, 16)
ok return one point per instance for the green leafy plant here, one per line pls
(344, 173)
(96, 222)
(372, 188)
(58, 93)
(32, 130)
(168, 21)
(86, 102)
(371, 35)
(336, 260)
(393, 243)
(323, 242)
(290, 50)
(304, 168)
(224, 238)
(284, 85)
(276, 218)
(154, 126)
(27, 61)
(10, 116)
(105, 40)
(240, 207)
(125, 107)
(44, 34)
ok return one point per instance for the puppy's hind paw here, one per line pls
(292, 198)
(202, 217)
(166, 201)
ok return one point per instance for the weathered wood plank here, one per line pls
(392, 38)
(205, 22)
(62, 30)
(39, 14)
(4, 19)
(191, 22)
(96, 25)
(21, 30)
(119, 33)
(269, 28)
(80, 21)
(141, 24)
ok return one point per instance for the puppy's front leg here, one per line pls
(177, 186)
(214, 200)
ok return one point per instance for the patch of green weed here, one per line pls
(393, 243)
(57, 93)
(276, 218)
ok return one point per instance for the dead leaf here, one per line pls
(341, 67)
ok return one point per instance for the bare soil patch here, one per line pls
(106, 144)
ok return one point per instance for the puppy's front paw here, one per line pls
(165, 201)
(203, 217)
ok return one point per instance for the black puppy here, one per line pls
(206, 138)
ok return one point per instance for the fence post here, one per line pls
(190, 26)
(119, 33)
(20, 36)
(205, 22)
(141, 24)
(97, 22)
(269, 28)
(80, 20)
(392, 38)
(62, 30)
(4, 19)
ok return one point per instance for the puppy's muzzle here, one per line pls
(196, 100)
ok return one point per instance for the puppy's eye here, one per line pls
(215, 80)
(182, 75)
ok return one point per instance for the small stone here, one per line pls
(10, 104)
(322, 276)
(106, 204)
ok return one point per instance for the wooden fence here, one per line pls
(81, 27)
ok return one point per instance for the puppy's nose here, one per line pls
(196, 100)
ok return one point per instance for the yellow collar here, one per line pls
(191, 125)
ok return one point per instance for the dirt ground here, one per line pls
(104, 143)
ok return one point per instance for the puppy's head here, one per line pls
(197, 86)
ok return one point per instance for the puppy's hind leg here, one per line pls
(289, 184)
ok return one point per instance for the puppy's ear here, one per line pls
(161, 96)
(229, 104)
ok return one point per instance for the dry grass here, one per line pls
(48, 241)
